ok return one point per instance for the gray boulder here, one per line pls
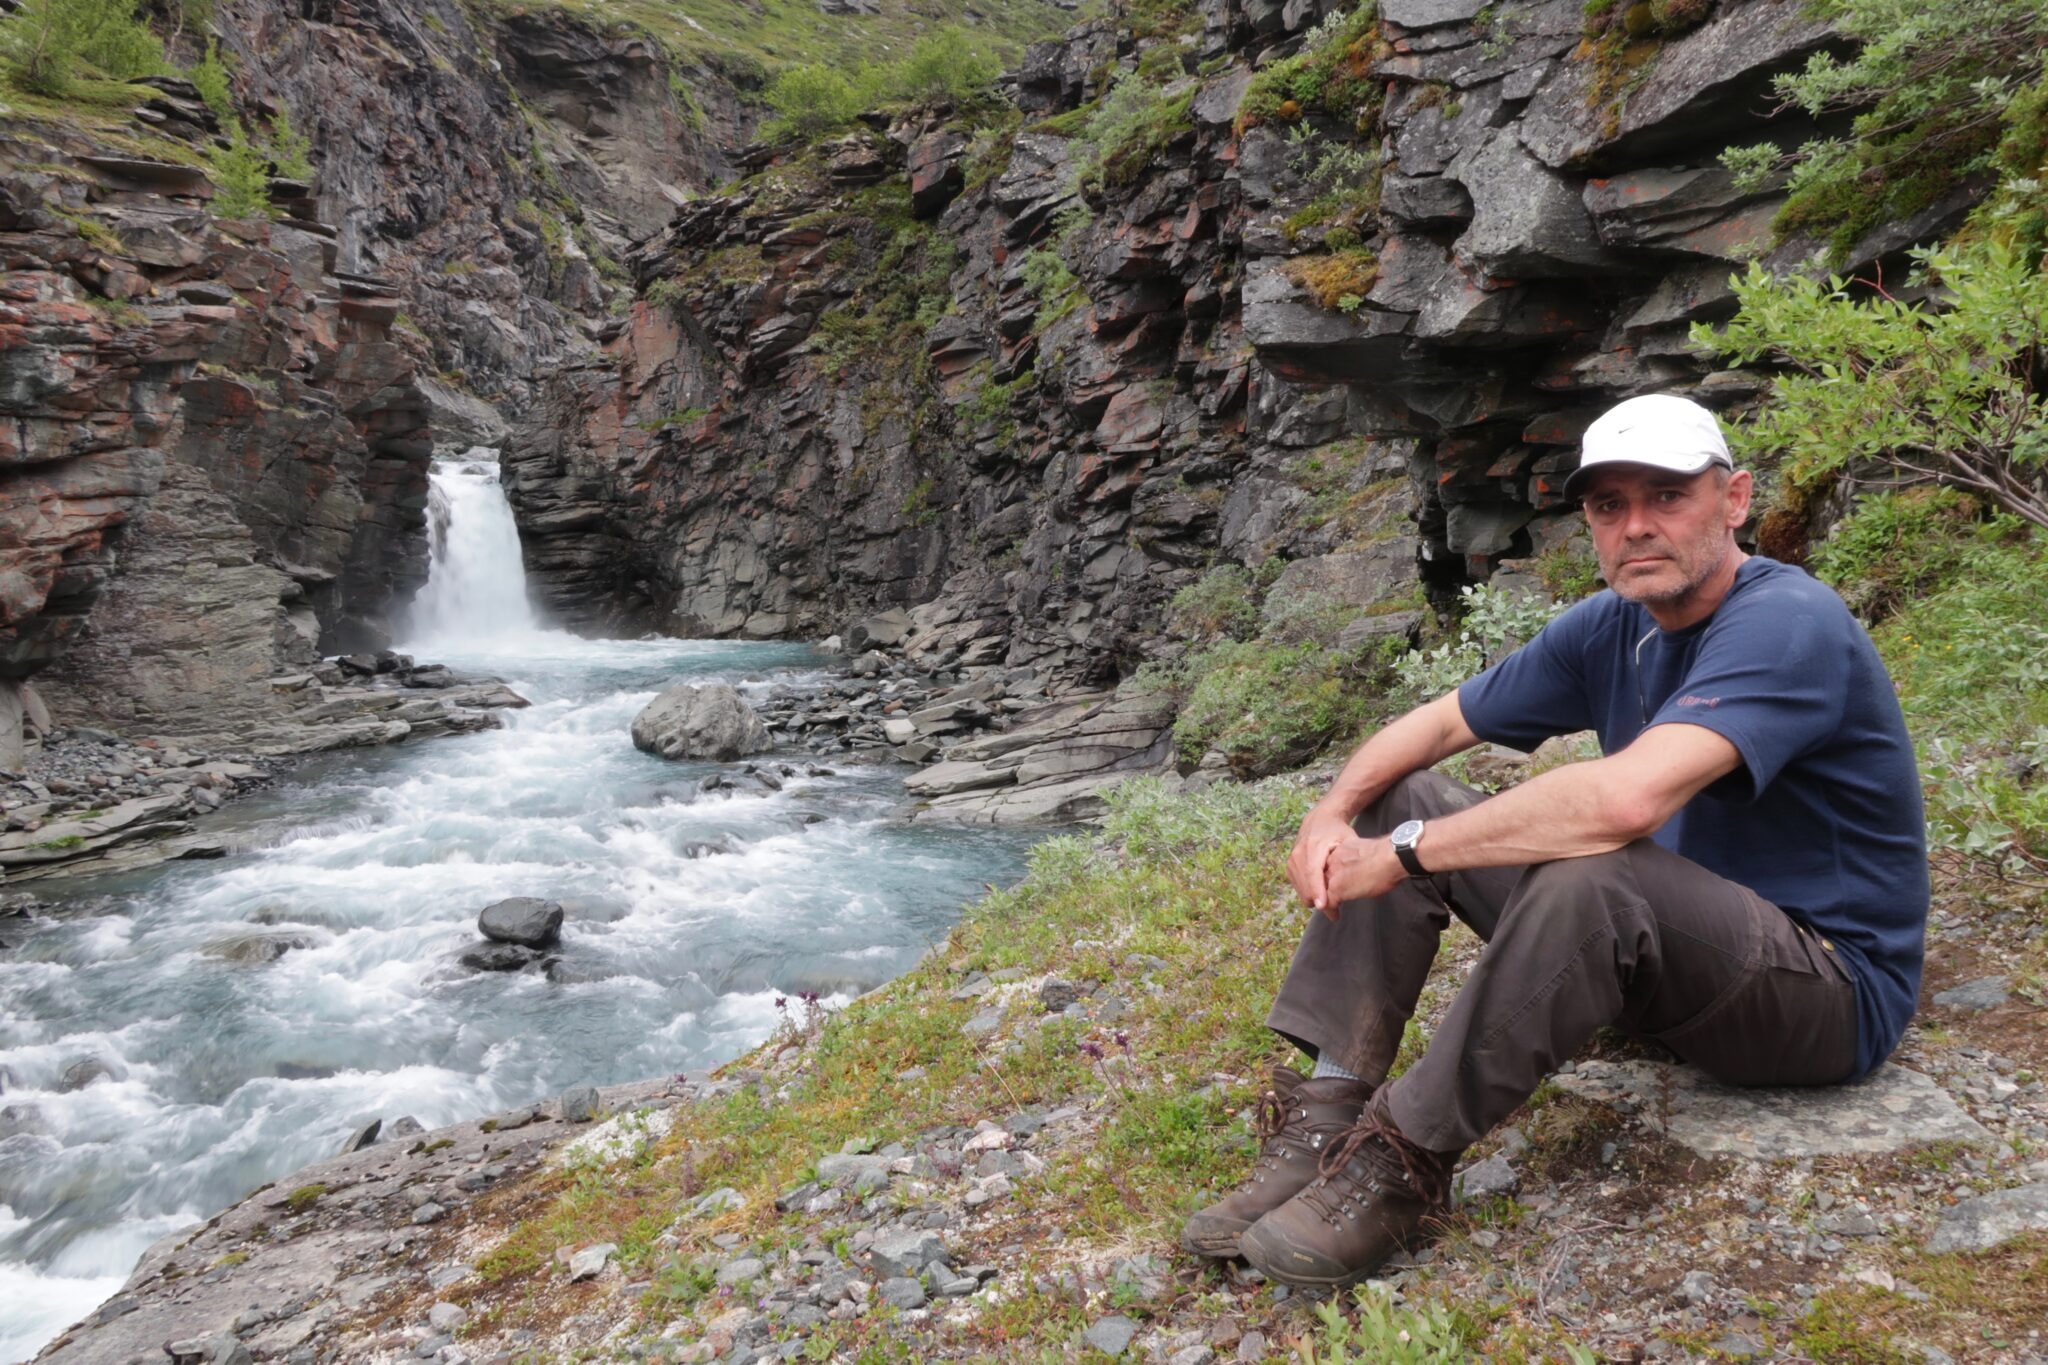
(700, 720)
(524, 920)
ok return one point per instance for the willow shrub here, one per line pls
(1936, 393)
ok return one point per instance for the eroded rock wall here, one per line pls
(281, 386)
(752, 457)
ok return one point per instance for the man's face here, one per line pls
(1661, 535)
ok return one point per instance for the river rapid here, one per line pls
(223, 1071)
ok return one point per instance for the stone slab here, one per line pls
(1892, 1110)
(1992, 1219)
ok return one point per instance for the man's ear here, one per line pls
(1741, 486)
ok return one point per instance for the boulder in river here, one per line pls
(499, 957)
(700, 720)
(525, 920)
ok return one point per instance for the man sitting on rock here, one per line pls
(1742, 877)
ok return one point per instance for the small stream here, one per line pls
(225, 1070)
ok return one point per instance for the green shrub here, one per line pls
(1385, 1333)
(1933, 395)
(1266, 706)
(1223, 602)
(213, 81)
(1970, 661)
(241, 175)
(47, 44)
(945, 66)
(1898, 547)
(1932, 82)
(1134, 122)
(1495, 621)
(810, 101)
(1332, 74)
(289, 148)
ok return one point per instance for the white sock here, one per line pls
(1327, 1070)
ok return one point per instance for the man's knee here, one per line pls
(1596, 889)
(1423, 795)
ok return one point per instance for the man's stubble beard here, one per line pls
(1712, 551)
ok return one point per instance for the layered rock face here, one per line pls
(216, 460)
(784, 436)
(220, 367)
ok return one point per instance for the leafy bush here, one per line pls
(1495, 621)
(1971, 664)
(946, 65)
(1046, 271)
(241, 175)
(810, 101)
(1331, 74)
(1266, 705)
(47, 44)
(1898, 547)
(1929, 395)
(1222, 602)
(1933, 83)
(1134, 122)
(1154, 821)
(1385, 1334)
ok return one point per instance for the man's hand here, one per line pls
(1361, 867)
(1323, 831)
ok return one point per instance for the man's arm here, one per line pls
(1569, 812)
(1420, 739)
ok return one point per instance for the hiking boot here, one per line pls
(1372, 1194)
(1298, 1121)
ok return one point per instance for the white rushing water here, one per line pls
(227, 1073)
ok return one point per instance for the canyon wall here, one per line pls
(994, 364)
(842, 387)
(216, 463)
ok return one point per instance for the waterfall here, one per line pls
(476, 582)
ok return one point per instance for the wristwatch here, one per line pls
(1406, 835)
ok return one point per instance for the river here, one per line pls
(224, 1073)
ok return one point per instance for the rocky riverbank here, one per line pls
(988, 1160)
(85, 801)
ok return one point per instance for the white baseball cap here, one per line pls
(1659, 430)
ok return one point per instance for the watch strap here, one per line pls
(1410, 861)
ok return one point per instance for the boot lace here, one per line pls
(1392, 1164)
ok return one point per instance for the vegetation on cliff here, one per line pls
(751, 42)
(1941, 95)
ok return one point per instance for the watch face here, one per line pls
(1406, 833)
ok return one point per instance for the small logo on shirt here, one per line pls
(1690, 700)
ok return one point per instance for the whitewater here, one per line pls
(688, 915)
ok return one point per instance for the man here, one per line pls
(1743, 876)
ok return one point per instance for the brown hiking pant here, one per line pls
(1639, 938)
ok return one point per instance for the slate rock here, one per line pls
(902, 1292)
(906, 1253)
(499, 957)
(579, 1105)
(1111, 1335)
(1987, 992)
(1889, 1111)
(700, 720)
(1488, 1179)
(590, 1262)
(740, 1271)
(1991, 1220)
(524, 920)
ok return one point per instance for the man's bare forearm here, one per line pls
(1420, 739)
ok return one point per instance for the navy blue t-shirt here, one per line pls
(1823, 818)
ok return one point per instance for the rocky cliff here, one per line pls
(1242, 289)
(1323, 293)
(216, 462)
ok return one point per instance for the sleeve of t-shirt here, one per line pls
(1768, 678)
(1536, 692)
